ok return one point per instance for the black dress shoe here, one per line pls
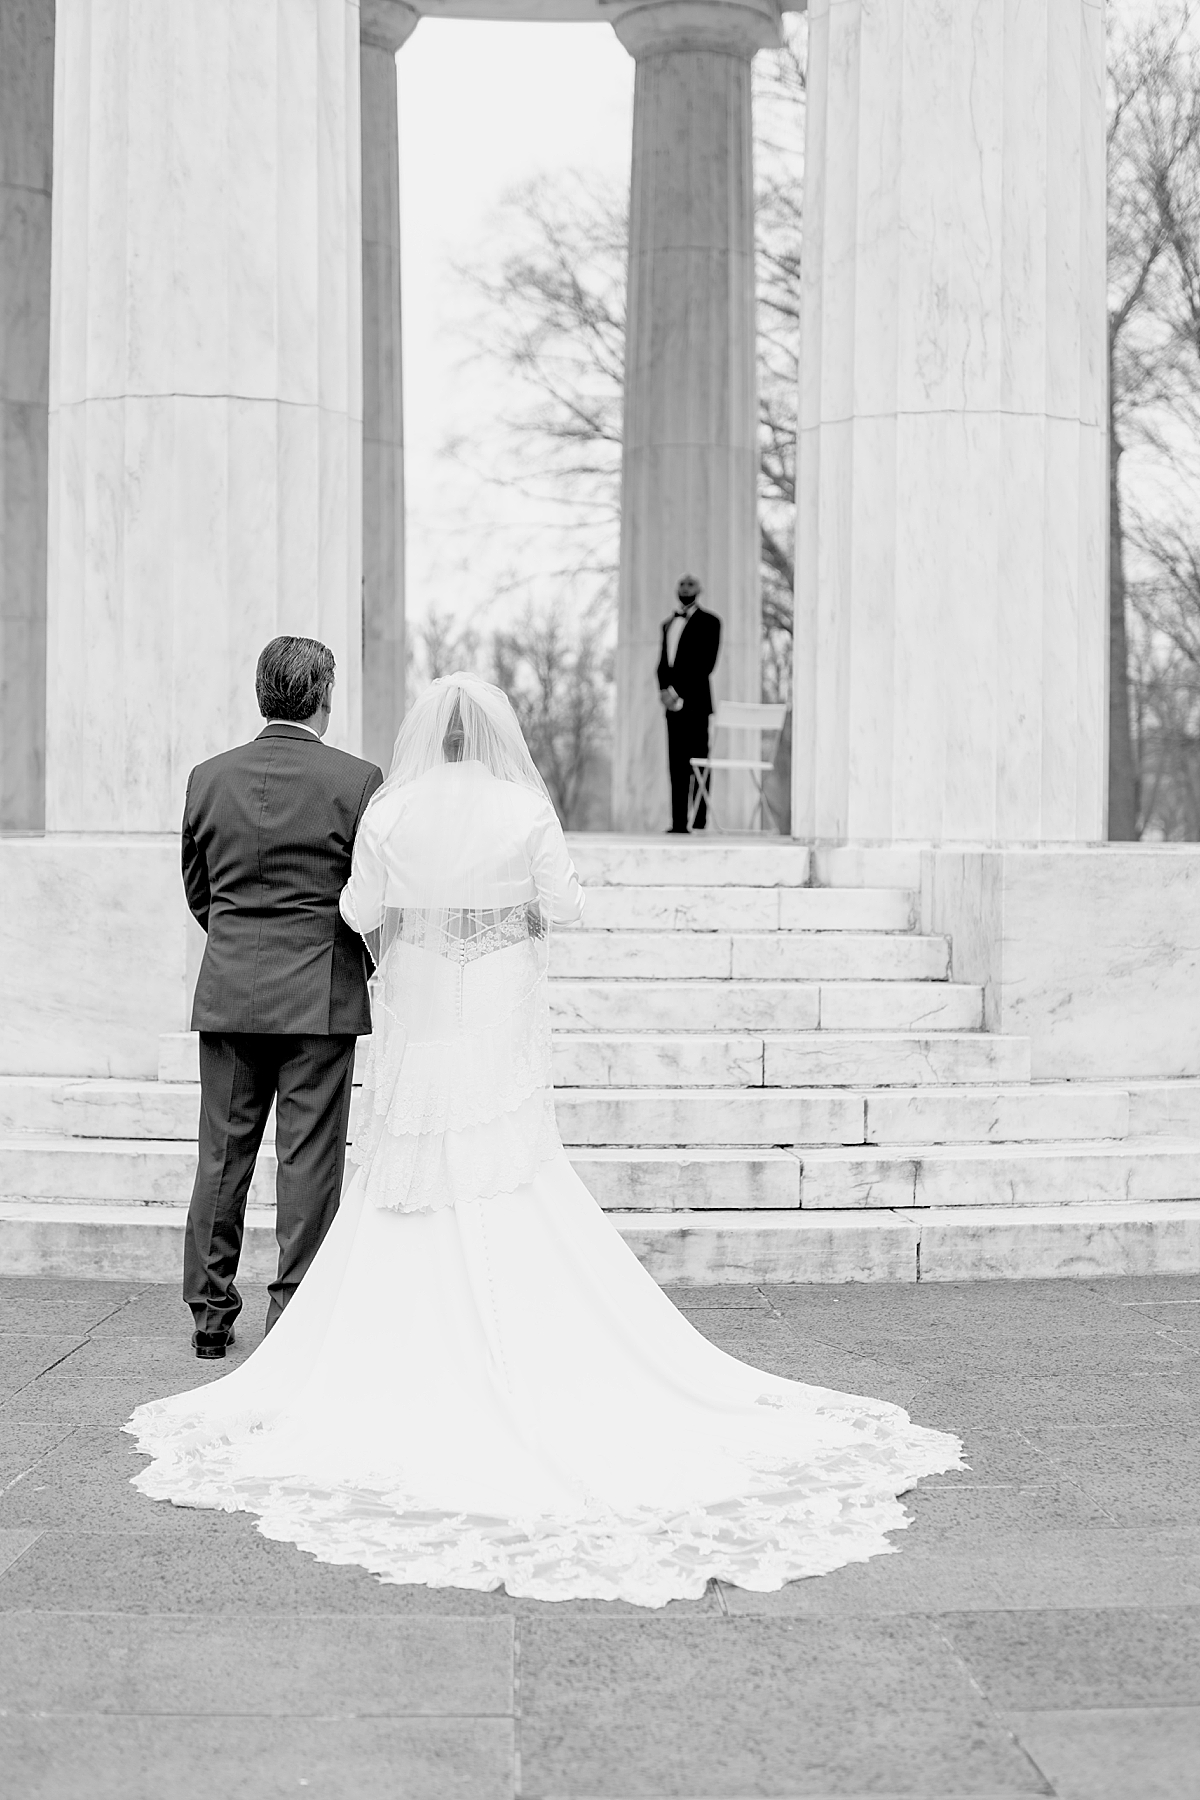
(210, 1345)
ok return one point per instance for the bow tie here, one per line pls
(683, 612)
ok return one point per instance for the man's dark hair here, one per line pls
(294, 677)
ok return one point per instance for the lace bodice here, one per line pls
(465, 934)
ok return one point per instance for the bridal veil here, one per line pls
(460, 875)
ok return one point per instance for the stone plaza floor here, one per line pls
(1038, 1632)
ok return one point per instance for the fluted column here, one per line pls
(26, 144)
(950, 614)
(386, 24)
(688, 490)
(205, 384)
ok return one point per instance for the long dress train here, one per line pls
(477, 1382)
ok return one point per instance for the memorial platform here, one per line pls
(765, 1070)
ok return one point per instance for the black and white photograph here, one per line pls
(497, 1302)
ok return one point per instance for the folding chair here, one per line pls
(762, 718)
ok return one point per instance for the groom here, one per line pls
(691, 639)
(268, 829)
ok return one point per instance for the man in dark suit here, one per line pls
(268, 831)
(691, 639)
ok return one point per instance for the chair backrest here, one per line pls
(749, 715)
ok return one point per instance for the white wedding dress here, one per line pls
(477, 1384)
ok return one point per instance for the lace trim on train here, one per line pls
(799, 1519)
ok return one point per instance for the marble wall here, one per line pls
(1093, 952)
(26, 143)
(205, 384)
(950, 612)
(94, 953)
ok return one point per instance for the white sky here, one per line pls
(483, 108)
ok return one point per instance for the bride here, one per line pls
(477, 1384)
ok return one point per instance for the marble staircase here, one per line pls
(763, 1069)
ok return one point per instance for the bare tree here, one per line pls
(553, 316)
(439, 644)
(779, 101)
(559, 680)
(559, 683)
(1165, 692)
(1154, 386)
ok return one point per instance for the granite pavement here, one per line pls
(1037, 1631)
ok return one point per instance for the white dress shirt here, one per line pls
(296, 723)
(675, 631)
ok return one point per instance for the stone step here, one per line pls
(959, 1244)
(713, 1060)
(30, 1103)
(699, 1005)
(745, 908)
(717, 1006)
(162, 1112)
(689, 1113)
(667, 1179)
(765, 1005)
(581, 953)
(115, 1171)
(1032, 1174)
(133, 1111)
(981, 1115)
(706, 1173)
(646, 1059)
(892, 1118)
(701, 1089)
(604, 860)
(867, 865)
(179, 1056)
(157, 1173)
(868, 1059)
(697, 1249)
(606, 1114)
(900, 1006)
(841, 1116)
(1164, 1108)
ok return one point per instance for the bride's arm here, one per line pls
(362, 899)
(553, 871)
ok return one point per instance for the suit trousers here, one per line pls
(309, 1080)
(687, 736)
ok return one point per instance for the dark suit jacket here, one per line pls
(268, 830)
(695, 660)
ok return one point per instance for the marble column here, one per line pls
(26, 145)
(950, 617)
(205, 385)
(386, 24)
(689, 475)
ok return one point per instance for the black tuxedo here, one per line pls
(687, 729)
(268, 831)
